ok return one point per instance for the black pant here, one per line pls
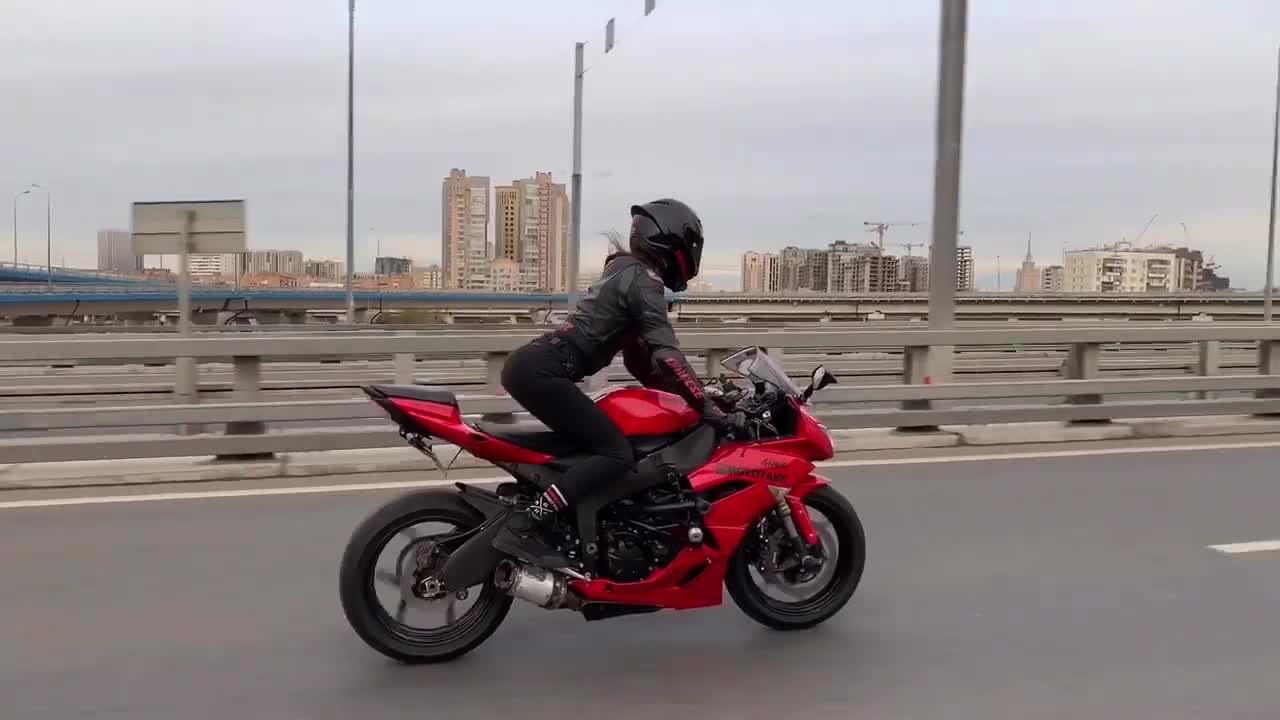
(541, 377)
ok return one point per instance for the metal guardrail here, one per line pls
(1081, 394)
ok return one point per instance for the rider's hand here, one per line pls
(734, 425)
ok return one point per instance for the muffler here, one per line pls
(544, 588)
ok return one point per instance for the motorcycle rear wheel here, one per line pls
(358, 575)
(828, 600)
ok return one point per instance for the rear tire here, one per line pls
(366, 614)
(849, 564)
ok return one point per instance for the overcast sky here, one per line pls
(782, 123)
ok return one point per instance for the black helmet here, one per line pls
(668, 234)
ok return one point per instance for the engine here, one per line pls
(636, 543)
(625, 556)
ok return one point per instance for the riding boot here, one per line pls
(529, 534)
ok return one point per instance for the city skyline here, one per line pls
(1072, 130)
(527, 249)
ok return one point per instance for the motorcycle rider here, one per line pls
(625, 310)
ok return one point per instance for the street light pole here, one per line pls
(15, 224)
(1271, 223)
(946, 182)
(575, 201)
(48, 237)
(351, 181)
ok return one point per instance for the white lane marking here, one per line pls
(1247, 547)
(1049, 454)
(256, 492)
(410, 484)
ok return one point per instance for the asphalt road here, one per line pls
(1056, 587)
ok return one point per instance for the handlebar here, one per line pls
(756, 406)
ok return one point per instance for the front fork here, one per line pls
(797, 523)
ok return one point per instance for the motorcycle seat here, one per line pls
(425, 393)
(530, 436)
(535, 436)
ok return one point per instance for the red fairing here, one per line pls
(695, 578)
(810, 442)
(445, 421)
(643, 411)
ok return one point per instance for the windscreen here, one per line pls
(756, 365)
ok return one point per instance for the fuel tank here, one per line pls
(642, 411)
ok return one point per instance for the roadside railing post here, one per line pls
(403, 363)
(247, 388)
(1083, 362)
(404, 368)
(1268, 364)
(713, 358)
(493, 363)
(186, 390)
(1208, 363)
(916, 370)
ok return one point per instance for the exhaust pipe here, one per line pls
(544, 588)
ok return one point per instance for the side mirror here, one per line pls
(818, 380)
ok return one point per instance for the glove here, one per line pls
(734, 425)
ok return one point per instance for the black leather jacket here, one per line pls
(626, 310)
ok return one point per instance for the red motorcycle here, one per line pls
(699, 513)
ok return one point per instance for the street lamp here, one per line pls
(575, 199)
(1271, 223)
(351, 181)
(17, 197)
(48, 236)
(48, 230)
(952, 38)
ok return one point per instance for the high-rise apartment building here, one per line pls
(464, 231)
(1027, 279)
(846, 268)
(803, 269)
(115, 252)
(282, 262)
(392, 266)
(752, 272)
(964, 269)
(761, 272)
(1053, 279)
(531, 226)
(206, 266)
(854, 268)
(1121, 269)
(913, 274)
(430, 277)
(506, 222)
(326, 270)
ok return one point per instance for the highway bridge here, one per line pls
(20, 273)
(36, 305)
(1094, 504)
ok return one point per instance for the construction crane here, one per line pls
(910, 246)
(879, 228)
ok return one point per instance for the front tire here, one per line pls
(359, 579)
(842, 526)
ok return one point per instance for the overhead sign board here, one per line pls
(212, 226)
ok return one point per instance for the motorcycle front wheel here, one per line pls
(389, 588)
(766, 582)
